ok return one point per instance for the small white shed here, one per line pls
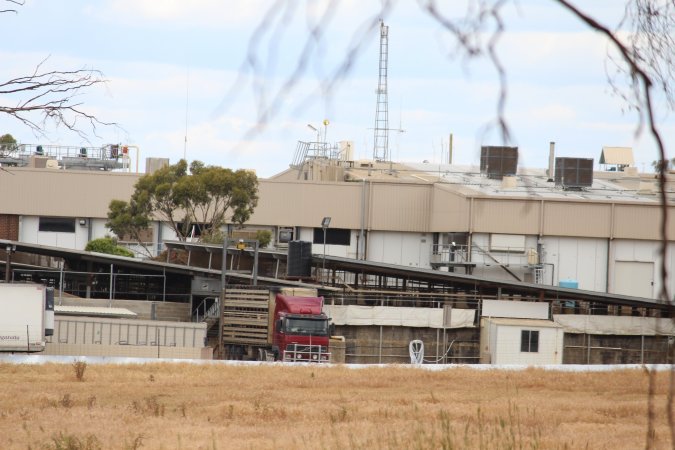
(520, 341)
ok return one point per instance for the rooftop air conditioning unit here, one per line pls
(498, 162)
(574, 173)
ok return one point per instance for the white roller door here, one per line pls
(634, 278)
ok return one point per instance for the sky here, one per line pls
(179, 86)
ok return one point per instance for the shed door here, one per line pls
(634, 278)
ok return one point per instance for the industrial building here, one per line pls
(515, 234)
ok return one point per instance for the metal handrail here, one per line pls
(211, 312)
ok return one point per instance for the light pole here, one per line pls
(324, 224)
(313, 128)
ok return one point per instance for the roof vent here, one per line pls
(509, 182)
(574, 173)
(646, 188)
(498, 162)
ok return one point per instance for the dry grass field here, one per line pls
(182, 406)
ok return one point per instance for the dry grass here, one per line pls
(222, 407)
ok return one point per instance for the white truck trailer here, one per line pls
(26, 317)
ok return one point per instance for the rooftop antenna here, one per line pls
(381, 142)
(187, 98)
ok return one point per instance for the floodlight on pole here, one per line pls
(326, 122)
(324, 224)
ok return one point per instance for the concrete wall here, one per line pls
(128, 351)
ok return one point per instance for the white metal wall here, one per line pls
(29, 233)
(98, 228)
(345, 251)
(580, 259)
(516, 262)
(505, 345)
(405, 249)
(624, 251)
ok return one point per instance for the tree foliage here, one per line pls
(7, 144)
(204, 196)
(109, 246)
(127, 221)
(264, 237)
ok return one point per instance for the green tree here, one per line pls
(127, 221)
(7, 144)
(108, 245)
(264, 237)
(206, 195)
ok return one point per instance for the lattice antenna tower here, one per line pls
(381, 141)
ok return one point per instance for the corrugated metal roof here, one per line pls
(93, 311)
(533, 184)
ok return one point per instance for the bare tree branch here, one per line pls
(644, 67)
(16, 2)
(47, 96)
(51, 96)
(268, 109)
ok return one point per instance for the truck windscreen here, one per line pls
(306, 326)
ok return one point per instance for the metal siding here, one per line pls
(577, 219)
(47, 192)
(449, 211)
(640, 222)
(394, 207)
(305, 204)
(400, 207)
(505, 216)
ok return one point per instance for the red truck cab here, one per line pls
(301, 330)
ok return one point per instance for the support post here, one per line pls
(110, 294)
(255, 263)
(221, 300)
(8, 263)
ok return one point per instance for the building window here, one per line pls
(57, 224)
(334, 236)
(529, 341)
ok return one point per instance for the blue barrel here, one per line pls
(572, 284)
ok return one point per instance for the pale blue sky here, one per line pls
(157, 53)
